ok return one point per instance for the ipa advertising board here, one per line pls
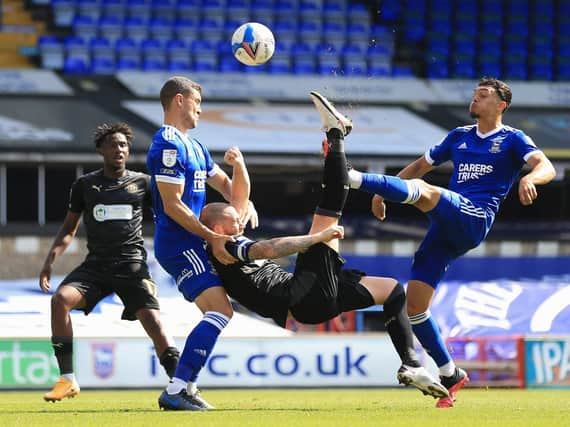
(547, 362)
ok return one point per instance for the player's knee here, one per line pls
(414, 307)
(62, 302)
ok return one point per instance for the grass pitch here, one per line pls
(298, 408)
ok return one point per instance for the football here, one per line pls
(253, 43)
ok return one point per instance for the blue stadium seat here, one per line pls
(390, 11)
(102, 48)
(304, 59)
(334, 12)
(165, 9)
(414, 26)
(85, 27)
(310, 33)
(186, 30)
(111, 28)
(354, 68)
(463, 67)
(563, 71)
(63, 12)
(380, 70)
(380, 35)
(285, 31)
(128, 64)
(311, 11)
(256, 69)
(334, 34)
(238, 10)
(153, 49)
(76, 47)
(89, 8)
(161, 29)
(140, 9)
(154, 64)
(402, 71)
(102, 66)
(188, 9)
(464, 44)
(228, 64)
(515, 71)
(135, 28)
(263, 12)
(437, 69)
(75, 65)
(211, 30)
(284, 10)
(178, 53)
(358, 14)
(213, 10)
(51, 52)
(204, 55)
(281, 61)
(128, 51)
(328, 59)
(491, 69)
(358, 33)
(113, 9)
(541, 70)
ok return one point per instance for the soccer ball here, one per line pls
(253, 44)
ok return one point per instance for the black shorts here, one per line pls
(335, 290)
(131, 281)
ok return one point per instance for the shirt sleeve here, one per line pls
(167, 159)
(76, 200)
(524, 145)
(441, 152)
(240, 248)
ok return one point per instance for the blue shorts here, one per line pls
(456, 226)
(192, 271)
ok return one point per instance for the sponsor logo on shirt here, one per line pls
(469, 171)
(169, 158)
(200, 180)
(109, 212)
(165, 171)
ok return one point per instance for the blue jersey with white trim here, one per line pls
(485, 165)
(176, 158)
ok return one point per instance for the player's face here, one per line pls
(191, 108)
(232, 224)
(115, 151)
(485, 103)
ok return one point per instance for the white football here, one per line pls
(253, 43)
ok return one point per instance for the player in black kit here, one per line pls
(319, 289)
(111, 201)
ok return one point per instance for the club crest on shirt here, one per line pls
(132, 188)
(169, 158)
(496, 144)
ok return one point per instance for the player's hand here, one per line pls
(332, 232)
(45, 275)
(250, 215)
(379, 207)
(527, 191)
(233, 155)
(218, 244)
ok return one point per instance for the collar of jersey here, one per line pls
(184, 136)
(491, 132)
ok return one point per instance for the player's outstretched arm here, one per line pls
(241, 187)
(60, 243)
(542, 172)
(175, 208)
(284, 246)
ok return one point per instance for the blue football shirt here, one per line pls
(485, 165)
(176, 158)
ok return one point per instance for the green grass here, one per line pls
(273, 408)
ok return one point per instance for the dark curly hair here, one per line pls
(105, 130)
(501, 88)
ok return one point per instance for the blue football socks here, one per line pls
(199, 345)
(426, 330)
(392, 188)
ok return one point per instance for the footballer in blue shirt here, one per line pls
(487, 157)
(180, 167)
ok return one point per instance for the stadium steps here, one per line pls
(19, 35)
